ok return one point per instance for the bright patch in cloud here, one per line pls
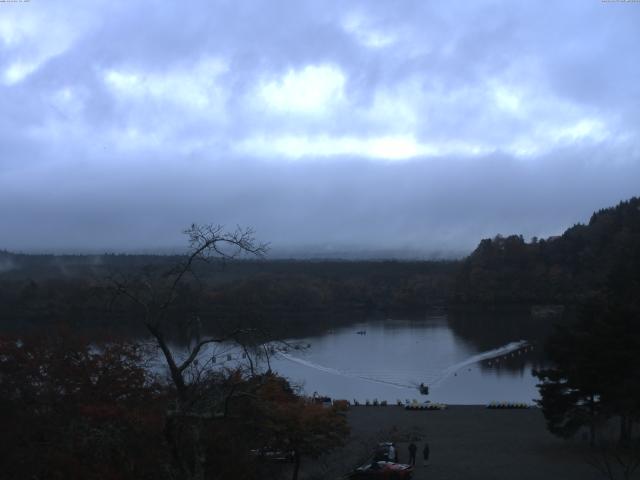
(315, 89)
(17, 71)
(15, 30)
(507, 99)
(552, 135)
(193, 88)
(587, 128)
(398, 147)
(34, 39)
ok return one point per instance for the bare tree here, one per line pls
(614, 458)
(155, 294)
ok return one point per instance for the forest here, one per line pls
(556, 270)
(279, 294)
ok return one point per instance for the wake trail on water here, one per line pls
(335, 371)
(341, 373)
(432, 380)
(489, 354)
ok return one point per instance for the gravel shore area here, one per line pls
(470, 443)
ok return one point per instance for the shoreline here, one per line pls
(467, 442)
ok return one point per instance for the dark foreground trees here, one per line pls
(595, 379)
(71, 409)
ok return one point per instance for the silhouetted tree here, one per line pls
(594, 374)
(155, 294)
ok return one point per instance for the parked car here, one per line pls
(272, 455)
(382, 470)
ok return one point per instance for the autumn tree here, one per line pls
(71, 409)
(297, 425)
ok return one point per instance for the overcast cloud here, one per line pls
(325, 125)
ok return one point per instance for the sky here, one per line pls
(404, 128)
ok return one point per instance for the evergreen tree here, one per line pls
(594, 374)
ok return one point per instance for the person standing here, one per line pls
(393, 454)
(412, 453)
(425, 453)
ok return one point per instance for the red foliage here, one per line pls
(70, 409)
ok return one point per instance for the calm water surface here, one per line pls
(394, 357)
(461, 365)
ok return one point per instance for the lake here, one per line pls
(463, 358)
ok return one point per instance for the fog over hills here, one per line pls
(327, 128)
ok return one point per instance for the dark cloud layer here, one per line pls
(323, 125)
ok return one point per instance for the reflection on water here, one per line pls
(463, 358)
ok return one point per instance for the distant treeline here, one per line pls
(37, 289)
(280, 294)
